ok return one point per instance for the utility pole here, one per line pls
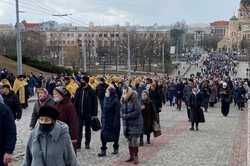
(129, 58)
(163, 58)
(18, 42)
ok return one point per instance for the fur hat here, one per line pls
(62, 91)
(48, 111)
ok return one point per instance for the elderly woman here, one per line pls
(132, 122)
(43, 99)
(110, 121)
(49, 143)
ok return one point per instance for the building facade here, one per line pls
(238, 29)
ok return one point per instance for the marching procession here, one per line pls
(112, 104)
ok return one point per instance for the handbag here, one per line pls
(95, 124)
(156, 129)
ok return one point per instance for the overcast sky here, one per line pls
(144, 12)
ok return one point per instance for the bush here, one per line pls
(43, 65)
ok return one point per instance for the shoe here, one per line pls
(197, 129)
(87, 147)
(136, 160)
(102, 153)
(116, 151)
(141, 143)
(192, 129)
(131, 153)
(78, 146)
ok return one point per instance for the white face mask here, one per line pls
(107, 94)
(57, 99)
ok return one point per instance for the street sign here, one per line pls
(172, 50)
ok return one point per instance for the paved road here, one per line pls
(220, 142)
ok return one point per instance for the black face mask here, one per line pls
(83, 84)
(46, 128)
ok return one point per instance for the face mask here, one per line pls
(57, 99)
(107, 94)
(46, 128)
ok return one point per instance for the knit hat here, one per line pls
(48, 111)
(62, 91)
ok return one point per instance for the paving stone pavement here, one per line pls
(220, 142)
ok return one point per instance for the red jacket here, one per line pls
(68, 115)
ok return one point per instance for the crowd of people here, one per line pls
(67, 104)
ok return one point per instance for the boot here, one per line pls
(141, 141)
(148, 139)
(136, 158)
(131, 153)
(102, 153)
(116, 151)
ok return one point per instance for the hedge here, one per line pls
(43, 65)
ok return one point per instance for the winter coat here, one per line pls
(132, 118)
(195, 103)
(213, 95)
(100, 92)
(11, 100)
(156, 99)
(149, 116)
(56, 148)
(86, 104)
(225, 95)
(187, 92)
(179, 90)
(36, 109)
(8, 132)
(110, 119)
(67, 114)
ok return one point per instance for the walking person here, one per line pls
(20, 88)
(100, 91)
(11, 100)
(132, 122)
(49, 143)
(196, 114)
(225, 99)
(110, 119)
(67, 112)
(156, 98)
(43, 99)
(187, 92)
(149, 116)
(8, 135)
(86, 106)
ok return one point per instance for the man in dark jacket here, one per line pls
(11, 100)
(86, 107)
(100, 91)
(7, 135)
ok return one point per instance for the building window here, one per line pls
(117, 35)
(80, 35)
(100, 35)
(105, 35)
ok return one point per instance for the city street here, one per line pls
(221, 141)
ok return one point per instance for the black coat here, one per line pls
(86, 104)
(7, 132)
(195, 103)
(111, 120)
(149, 116)
(156, 99)
(11, 100)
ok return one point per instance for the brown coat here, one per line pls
(68, 115)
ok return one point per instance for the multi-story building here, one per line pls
(6, 28)
(218, 28)
(238, 28)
